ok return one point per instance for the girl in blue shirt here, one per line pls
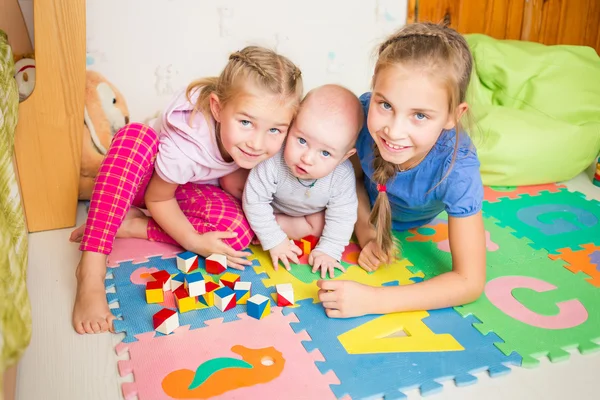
(413, 162)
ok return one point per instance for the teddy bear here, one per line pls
(105, 112)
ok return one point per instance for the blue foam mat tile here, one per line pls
(136, 315)
(366, 376)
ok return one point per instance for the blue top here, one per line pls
(412, 200)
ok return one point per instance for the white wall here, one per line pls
(149, 48)
(27, 11)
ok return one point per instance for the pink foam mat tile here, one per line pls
(155, 361)
(139, 251)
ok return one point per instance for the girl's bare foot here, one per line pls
(134, 228)
(90, 312)
(134, 212)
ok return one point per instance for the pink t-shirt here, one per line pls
(187, 149)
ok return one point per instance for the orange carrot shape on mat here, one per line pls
(219, 375)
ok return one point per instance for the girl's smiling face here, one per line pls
(408, 112)
(253, 126)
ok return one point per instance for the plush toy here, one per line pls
(25, 75)
(104, 114)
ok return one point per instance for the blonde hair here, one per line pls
(270, 71)
(430, 47)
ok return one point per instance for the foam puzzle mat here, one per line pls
(542, 298)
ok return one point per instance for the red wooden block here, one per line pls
(282, 301)
(181, 293)
(216, 264)
(162, 316)
(211, 286)
(312, 240)
(154, 285)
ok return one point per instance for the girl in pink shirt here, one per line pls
(216, 130)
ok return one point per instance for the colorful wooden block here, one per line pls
(216, 264)
(195, 285)
(305, 247)
(154, 292)
(208, 299)
(187, 261)
(259, 306)
(224, 298)
(285, 294)
(163, 277)
(183, 300)
(242, 291)
(312, 240)
(177, 280)
(165, 321)
(229, 279)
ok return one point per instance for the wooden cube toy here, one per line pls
(242, 291)
(285, 294)
(194, 283)
(229, 279)
(259, 306)
(165, 321)
(307, 244)
(305, 247)
(216, 264)
(312, 240)
(184, 302)
(208, 299)
(187, 261)
(154, 292)
(224, 298)
(177, 280)
(163, 277)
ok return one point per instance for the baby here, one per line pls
(309, 187)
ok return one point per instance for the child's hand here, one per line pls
(284, 251)
(209, 243)
(325, 262)
(371, 257)
(345, 299)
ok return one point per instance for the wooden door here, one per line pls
(48, 133)
(546, 21)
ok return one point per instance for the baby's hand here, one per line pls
(325, 262)
(284, 251)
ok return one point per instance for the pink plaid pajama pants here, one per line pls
(122, 181)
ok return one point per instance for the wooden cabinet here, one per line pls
(546, 21)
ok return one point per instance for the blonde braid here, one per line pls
(238, 56)
(381, 214)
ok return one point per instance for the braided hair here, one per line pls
(270, 71)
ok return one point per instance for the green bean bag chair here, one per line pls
(535, 109)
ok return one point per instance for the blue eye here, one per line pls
(245, 122)
(325, 153)
(420, 116)
(302, 141)
(274, 131)
(386, 106)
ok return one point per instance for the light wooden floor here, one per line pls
(61, 365)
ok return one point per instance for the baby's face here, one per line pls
(316, 145)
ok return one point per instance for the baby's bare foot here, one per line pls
(90, 312)
(77, 234)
